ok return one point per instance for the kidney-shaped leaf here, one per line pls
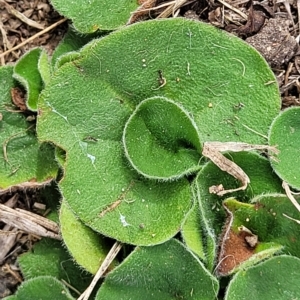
(167, 271)
(276, 278)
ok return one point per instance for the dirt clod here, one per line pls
(274, 42)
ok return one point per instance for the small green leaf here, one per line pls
(24, 161)
(88, 248)
(275, 278)
(27, 73)
(192, 233)
(206, 225)
(285, 133)
(71, 42)
(167, 271)
(43, 288)
(50, 258)
(89, 16)
(44, 67)
(161, 140)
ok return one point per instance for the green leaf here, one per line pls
(285, 133)
(276, 278)
(122, 205)
(44, 67)
(50, 258)
(161, 140)
(71, 42)
(167, 271)
(85, 107)
(192, 233)
(89, 16)
(88, 248)
(26, 71)
(207, 229)
(25, 162)
(43, 288)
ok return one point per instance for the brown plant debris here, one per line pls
(212, 150)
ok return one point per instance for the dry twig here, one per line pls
(108, 260)
(29, 222)
(293, 200)
(33, 37)
(212, 150)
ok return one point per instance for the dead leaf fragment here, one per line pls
(18, 98)
(235, 247)
(212, 150)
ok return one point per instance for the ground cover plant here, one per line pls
(168, 157)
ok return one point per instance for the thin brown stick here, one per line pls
(33, 37)
(105, 264)
(298, 10)
(70, 286)
(234, 9)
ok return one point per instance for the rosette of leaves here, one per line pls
(132, 111)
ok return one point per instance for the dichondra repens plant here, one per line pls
(139, 119)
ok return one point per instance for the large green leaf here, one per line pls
(86, 105)
(276, 278)
(167, 271)
(24, 161)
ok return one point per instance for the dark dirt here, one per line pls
(269, 26)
